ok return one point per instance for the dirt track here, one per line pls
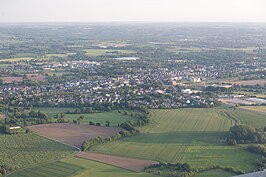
(136, 165)
(72, 133)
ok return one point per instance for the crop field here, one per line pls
(98, 52)
(136, 165)
(22, 150)
(96, 169)
(55, 169)
(73, 134)
(114, 117)
(193, 135)
(255, 108)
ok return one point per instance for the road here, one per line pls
(255, 174)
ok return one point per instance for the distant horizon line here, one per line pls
(228, 22)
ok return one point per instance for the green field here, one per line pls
(98, 52)
(22, 150)
(52, 111)
(216, 173)
(193, 135)
(95, 169)
(55, 169)
(114, 117)
(77, 167)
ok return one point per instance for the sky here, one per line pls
(133, 10)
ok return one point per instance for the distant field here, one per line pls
(73, 134)
(250, 82)
(255, 108)
(55, 169)
(256, 94)
(21, 58)
(56, 55)
(11, 79)
(189, 135)
(96, 169)
(97, 52)
(22, 150)
(114, 117)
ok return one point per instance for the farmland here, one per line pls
(55, 169)
(96, 169)
(195, 136)
(136, 165)
(22, 150)
(72, 133)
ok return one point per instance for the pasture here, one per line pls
(114, 117)
(192, 135)
(55, 169)
(73, 134)
(22, 150)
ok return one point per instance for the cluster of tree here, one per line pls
(244, 134)
(20, 113)
(185, 167)
(178, 169)
(87, 144)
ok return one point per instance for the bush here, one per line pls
(232, 142)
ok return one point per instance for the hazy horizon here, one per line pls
(186, 11)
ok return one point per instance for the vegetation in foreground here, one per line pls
(23, 150)
(54, 169)
(95, 169)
